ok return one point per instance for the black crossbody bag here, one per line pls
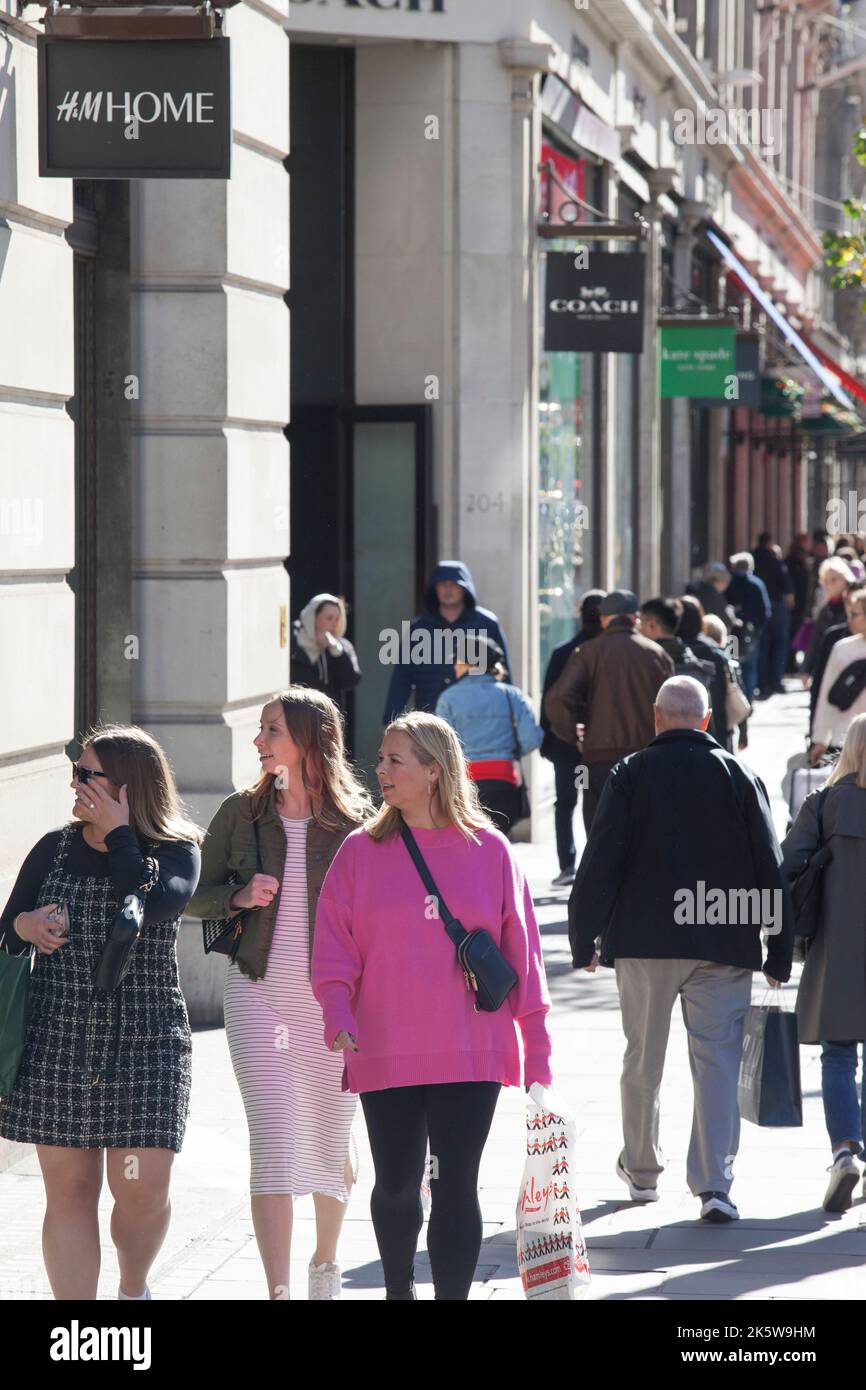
(223, 934)
(485, 969)
(848, 685)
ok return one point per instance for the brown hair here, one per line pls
(315, 725)
(434, 741)
(132, 758)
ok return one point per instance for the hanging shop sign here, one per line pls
(594, 301)
(134, 110)
(697, 361)
(746, 392)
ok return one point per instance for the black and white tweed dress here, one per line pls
(83, 1083)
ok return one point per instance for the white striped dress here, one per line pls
(299, 1118)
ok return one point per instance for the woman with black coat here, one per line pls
(323, 658)
(565, 757)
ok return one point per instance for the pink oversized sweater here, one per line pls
(384, 968)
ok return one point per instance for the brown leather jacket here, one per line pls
(230, 846)
(609, 685)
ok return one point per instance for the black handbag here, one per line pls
(114, 962)
(848, 685)
(806, 881)
(485, 969)
(116, 955)
(524, 809)
(223, 934)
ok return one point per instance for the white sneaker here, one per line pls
(134, 1297)
(563, 879)
(324, 1283)
(844, 1177)
(717, 1206)
(637, 1194)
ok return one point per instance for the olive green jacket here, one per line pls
(230, 846)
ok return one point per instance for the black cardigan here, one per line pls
(123, 862)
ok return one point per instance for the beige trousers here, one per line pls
(714, 1001)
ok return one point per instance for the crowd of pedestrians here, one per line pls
(348, 966)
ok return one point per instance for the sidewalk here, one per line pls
(784, 1247)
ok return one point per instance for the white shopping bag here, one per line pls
(551, 1253)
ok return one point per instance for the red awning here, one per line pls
(853, 385)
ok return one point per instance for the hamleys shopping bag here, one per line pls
(551, 1254)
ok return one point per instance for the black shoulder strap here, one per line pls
(819, 812)
(454, 928)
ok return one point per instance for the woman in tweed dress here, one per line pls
(109, 1074)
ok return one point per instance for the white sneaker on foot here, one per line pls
(717, 1206)
(134, 1297)
(325, 1284)
(637, 1194)
(844, 1177)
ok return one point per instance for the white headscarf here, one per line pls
(305, 629)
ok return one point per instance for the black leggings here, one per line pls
(456, 1116)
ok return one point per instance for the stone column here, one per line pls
(211, 351)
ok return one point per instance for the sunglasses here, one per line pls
(84, 774)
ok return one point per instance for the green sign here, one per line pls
(698, 361)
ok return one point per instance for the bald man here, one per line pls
(680, 875)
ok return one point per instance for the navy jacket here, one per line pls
(679, 814)
(427, 679)
(748, 596)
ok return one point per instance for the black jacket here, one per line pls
(774, 573)
(555, 749)
(333, 674)
(718, 688)
(680, 813)
(831, 637)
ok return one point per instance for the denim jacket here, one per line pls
(480, 710)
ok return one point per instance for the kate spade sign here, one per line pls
(134, 109)
(594, 302)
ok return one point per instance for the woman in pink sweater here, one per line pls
(426, 1063)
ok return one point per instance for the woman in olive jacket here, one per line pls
(831, 1002)
(266, 855)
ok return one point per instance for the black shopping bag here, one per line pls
(769, 1091)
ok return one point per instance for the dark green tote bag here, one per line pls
(14, 1002)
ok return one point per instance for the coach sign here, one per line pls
(594, 301)
(134, 110)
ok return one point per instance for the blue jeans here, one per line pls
(750, 674)
(844, 1113)
(773, 653)
(563, 812)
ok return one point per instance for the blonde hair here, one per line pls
(833, 565)
(132, 758)
(857, 598)
(853, 755)
(434, 741)
(315, 725)
(715, 628)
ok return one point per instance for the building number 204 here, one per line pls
(485, 502)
